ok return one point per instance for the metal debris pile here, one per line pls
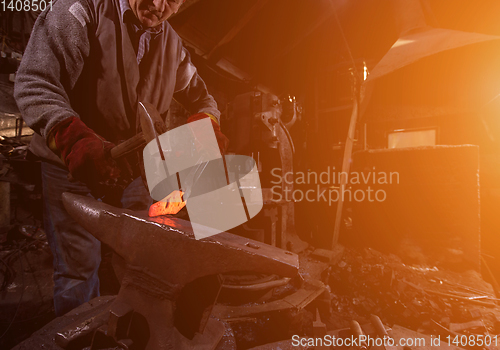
(421, 298)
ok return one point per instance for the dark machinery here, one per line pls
(259, 126)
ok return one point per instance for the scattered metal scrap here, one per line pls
(421, 298)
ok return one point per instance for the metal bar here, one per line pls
(346, 166)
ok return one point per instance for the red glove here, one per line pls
(222, 140)
(85, 153)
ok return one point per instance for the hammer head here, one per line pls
(151, 122)
(167, 246)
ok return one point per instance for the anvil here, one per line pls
(163, 256)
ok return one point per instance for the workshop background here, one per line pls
(389, 86)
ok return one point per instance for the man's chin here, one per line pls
(149, 20)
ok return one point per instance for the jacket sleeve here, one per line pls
(52, 62)
(191, 91)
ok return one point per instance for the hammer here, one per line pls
(151, 124)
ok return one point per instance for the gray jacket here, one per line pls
(80, 62)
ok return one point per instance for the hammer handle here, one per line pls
(128, 146)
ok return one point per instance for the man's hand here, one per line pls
(85, 153)
(222, 140)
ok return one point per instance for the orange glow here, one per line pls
(170, 205)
